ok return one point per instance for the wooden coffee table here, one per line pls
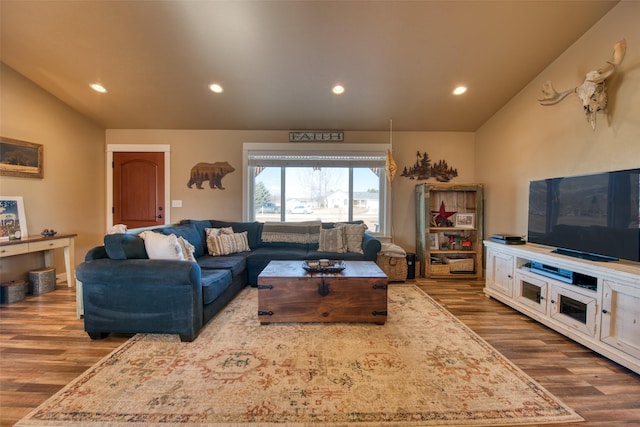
(289, 293)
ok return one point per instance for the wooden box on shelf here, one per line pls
(449, 230)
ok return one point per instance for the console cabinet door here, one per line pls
(532, 292)
(574, 309)
(500, 272)
(621, 317)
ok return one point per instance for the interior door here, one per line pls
(138, 189)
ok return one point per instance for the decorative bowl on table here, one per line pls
(323, 266)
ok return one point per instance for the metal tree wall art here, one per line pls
(592, 92)
(424, 169)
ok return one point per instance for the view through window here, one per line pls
(331, 188)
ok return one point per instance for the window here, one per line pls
(327, 182)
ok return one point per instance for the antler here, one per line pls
(551, 96)
(598, 76)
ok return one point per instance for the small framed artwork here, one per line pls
(433, 241)
(465, 220)
(13, 222)
(20, 158)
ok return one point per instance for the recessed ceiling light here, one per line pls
(98, 87)
(459, 90)
(338, 89)
(215, 87)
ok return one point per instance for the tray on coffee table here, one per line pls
(324, 266)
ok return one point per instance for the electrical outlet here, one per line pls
(176, 203)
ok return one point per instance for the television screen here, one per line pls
(592, 214)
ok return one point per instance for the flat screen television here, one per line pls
(594, 216)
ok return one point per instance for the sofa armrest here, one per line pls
(139, 272)
(370, 246)
(141, 296)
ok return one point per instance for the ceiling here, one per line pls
(278, 60)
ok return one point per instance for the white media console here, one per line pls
(594, 303)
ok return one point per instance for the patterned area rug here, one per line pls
(422, 368)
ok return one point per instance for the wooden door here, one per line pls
(138, 189)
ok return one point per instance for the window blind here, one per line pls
(316, 159)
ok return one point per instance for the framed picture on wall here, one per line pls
(13, 222)
(20, 158)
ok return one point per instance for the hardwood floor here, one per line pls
(43, 347)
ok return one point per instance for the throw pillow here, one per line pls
(305, 232)
(354, 233)
(187, 248)
(159, 246)
(226, 244)
(333, 240)
(218, 231)
(190, 233)
(210, 233)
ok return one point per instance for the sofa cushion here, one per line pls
(125, 246)
(258, 259)
(333, 240)
(214, 282)
(190, 233)
(236, 263)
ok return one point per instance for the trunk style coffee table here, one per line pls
(287, 292)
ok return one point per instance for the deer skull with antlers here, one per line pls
(592, 92)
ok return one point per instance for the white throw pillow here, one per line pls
(159, 246)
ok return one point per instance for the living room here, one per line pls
(523, 141)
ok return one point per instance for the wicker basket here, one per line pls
(439, 268)
(42, 281)
(459, 265)
(394, 268)
(13, 291)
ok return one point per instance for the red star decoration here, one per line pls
(442, 215)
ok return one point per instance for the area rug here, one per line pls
(422, 368)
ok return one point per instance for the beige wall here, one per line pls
(70, 197)
(526, 141)
(189, 147)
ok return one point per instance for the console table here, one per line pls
(594, 303)
(32, 244)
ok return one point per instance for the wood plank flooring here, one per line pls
(43, 347)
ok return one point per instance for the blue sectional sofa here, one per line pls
(124, 291)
